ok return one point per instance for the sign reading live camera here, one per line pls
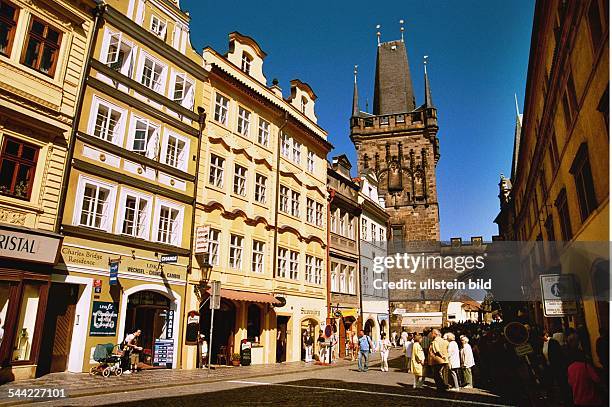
(558, 295)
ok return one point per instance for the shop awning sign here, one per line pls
(558, 295)
(168, 258)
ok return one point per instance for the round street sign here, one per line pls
(328, 331)
(516, 333)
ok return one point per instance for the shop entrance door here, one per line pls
(281, 338)
(57, 332)
(223, 331)
(150, 312)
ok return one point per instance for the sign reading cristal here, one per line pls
(28, 247)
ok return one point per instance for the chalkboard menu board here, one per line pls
(245, 353)
(164, 353)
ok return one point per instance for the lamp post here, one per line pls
(199, 289)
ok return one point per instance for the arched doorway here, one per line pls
(383, 327)
(370, 329)
(223, 329)
(349, 324)
(308, 326)
(152, 313)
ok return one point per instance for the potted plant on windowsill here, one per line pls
(235, 359)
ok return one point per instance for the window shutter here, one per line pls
(152, 144)
(188, 99)
(140, 13)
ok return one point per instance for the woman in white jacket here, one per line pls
(453, 359)
(467, 361)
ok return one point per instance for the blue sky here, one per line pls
(478, 52)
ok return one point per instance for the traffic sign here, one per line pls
(558, 295)
(516, 333)
(215, 298)
(523, 350)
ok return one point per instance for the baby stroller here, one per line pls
(108, 357)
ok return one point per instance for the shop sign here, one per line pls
(399, 311)
(168, 258)
(29, 247)
(163, 354)
(98, 260)
(114, 273)
(97, 285)
(558, 295)
(104, 318)
(169, 316)
(193, 328)
(422, 319)
(201, 243)
(310, 312)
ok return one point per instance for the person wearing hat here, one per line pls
(204, 351)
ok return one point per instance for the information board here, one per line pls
(164, 353)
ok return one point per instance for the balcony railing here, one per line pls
(394, 120)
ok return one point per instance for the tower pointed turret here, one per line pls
(517, 138)
(355, 95)
(428, 99)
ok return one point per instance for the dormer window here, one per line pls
(303, 104)
(246, 63)
(158, 27)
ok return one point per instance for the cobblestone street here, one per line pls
(290, 383)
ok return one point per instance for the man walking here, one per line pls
(438, 358)
(308, 342)
(365, 347)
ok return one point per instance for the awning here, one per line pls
(349, 313)
(247, 296)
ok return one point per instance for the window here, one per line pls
(42, 47)
(168, 225)
(135, 215)
(570, 102)
(343, 278)
(221, 108)
(295, 204)
(152, 74)
(284, 199)
(293, 265)
(240, 180)
(581, 170)
(297, 152)
(235, 251)
(342, 230)
(145, 137)
(318, 270)
(260, 188)
(554, 151)
(550, 229)
(216, 171)
(17, 168)
(310, 215)
(257, 265)
(246, 63)
(334, 277)
(351, 227)
(243, 121)
(309, 276)
(158, 27)
(286, 146)
(303, 104)
(182, 92)
(119, 54)
(564, 219)
(381, 234)
(176, 151)
(26, 328)
(595, 25)
(373, 231)
(604, 108)
(8, 24)
(311, 162)
(96, 206)
(282, 262)
(351, 280)
(108, 121)
(213, 246)
(263, 137)
(334, 221)
(319, 214)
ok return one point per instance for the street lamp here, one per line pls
(206, 271)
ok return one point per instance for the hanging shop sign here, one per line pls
(558, 295)
(104, 318)
(114, 272)
(193, 328)
(168, 258)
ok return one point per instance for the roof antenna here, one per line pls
(378, 33)
(402, 29)
(355, 73)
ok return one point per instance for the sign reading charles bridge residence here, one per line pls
(76, 256)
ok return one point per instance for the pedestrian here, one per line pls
(131, 351)
(408, 351)
(354, 346)
(403, 337)
(204, 351)
(438, 358)
(321, 342)
(454, 362)
(333, 346)
(308, 343)
(365, 347)
(394, 338)
(383, 347)
(585, 383)
(417, 361)
(467, 361)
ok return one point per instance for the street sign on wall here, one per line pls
(215, 298)
(558, 295)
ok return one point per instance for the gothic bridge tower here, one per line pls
(398, 142)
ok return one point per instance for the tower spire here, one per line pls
(428, 100)
(355, 94)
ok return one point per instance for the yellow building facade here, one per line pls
(261, 195)
(128, 213)
(43, 47)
